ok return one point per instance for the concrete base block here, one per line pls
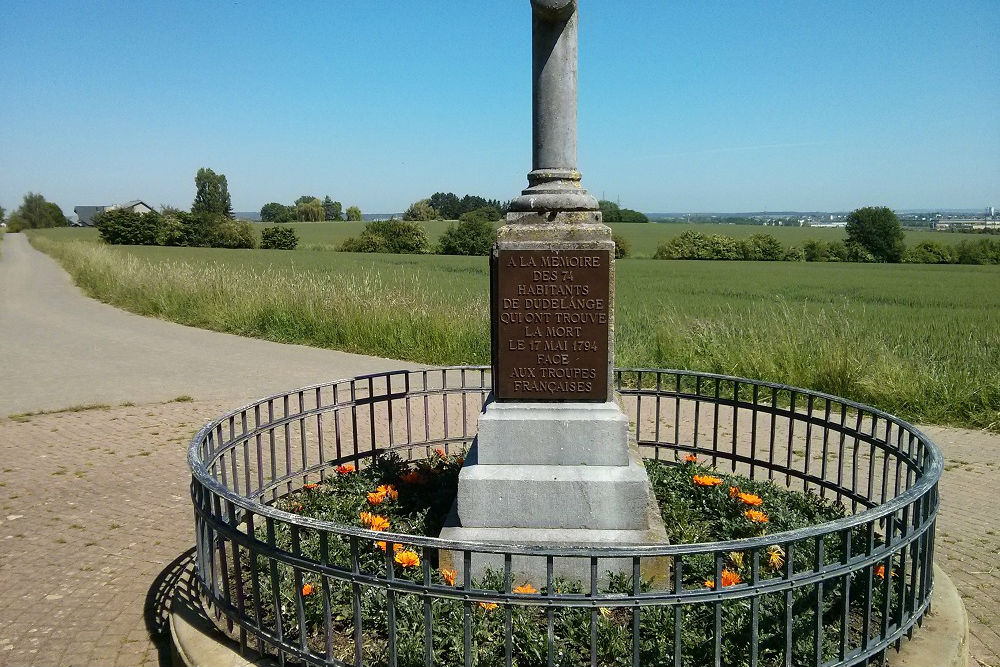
(591, 434)
(552, 496)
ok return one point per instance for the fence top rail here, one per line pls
(933, 466)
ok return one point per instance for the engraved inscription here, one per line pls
(552, 325)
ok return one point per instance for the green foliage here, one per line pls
(234, 234)
(622, 246)
(275, 212)
(36, 213)
(978, 251)
(2, 213)
(611, 212)
(388, 236)
(304, 199)
(353, 214)
(473, 235)
(278, 238)
(331, 209)
(694, 245)
(122, 226)
(930, 252)
(450, 207)
(763, 248)
(877, 230)
(420, 211)
(211, 194)
(309, 211)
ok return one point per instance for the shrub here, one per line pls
(473, 235)
(122, 226)
(278, 238)
(930, 252)
(979, 251)
(622, 246)
(794, 254)
(689, 245)
(234, 234)
(389, 236)
(763, 248)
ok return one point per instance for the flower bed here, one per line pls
(697, 503)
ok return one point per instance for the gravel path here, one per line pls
(94, 506)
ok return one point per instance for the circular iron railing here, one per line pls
(847, 591)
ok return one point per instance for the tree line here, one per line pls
(308, 208)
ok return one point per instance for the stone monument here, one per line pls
(552, 463)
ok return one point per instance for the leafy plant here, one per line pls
(278, 238)
(388, 236)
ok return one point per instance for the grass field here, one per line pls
(921, 341)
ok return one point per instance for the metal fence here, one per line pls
(847, 590)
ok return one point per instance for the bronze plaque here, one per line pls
(551, 325)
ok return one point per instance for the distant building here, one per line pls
(85, 214)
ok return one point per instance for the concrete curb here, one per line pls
(943, 639)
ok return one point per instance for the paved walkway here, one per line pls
(94, 506)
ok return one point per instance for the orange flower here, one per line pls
(344, 469)
(449, 576)
(376, 497)
(389, 490)
(440, 452)
(374, 521)
(729, 578)
(756, 516)
(297, 507)
(706, 480)
(408, 558)
(413, 477)
(690, 458)
(525, 589)
(395, 547)
(880, 572)
(308, 589)
(734, 491)
(488, 606)
(310, 486)
(460, 460)
(750, 498)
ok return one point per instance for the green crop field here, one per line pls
(921, 341)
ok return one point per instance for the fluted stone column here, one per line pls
(552, 462)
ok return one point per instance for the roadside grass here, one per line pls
(920, 341)
(26, 416)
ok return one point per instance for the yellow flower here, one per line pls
(488, 606)
(389, 491)
(775, 556)
(525, 589)
(408, 558)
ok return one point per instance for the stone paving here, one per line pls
(94, 515)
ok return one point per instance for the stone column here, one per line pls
(552, 462)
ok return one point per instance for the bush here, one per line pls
(979, 251)
(622, 246)
(421, 211)
(794, 254)
(234, 234)
(122, 226)
(389, 236)
(278, 238)
(473, 235)
(689, 245)
(930, 252)
(763, 248)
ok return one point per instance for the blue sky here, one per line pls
(698, 106)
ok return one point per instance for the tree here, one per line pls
(275, 212)
(211, 194)
(304, 199)
(353, 214)
(331, 209)
(36, 213)
(395, 236)
(2, 211)
(310, 211)
(447, 204)
(877, 230)
(123, 226)
(421, 211)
